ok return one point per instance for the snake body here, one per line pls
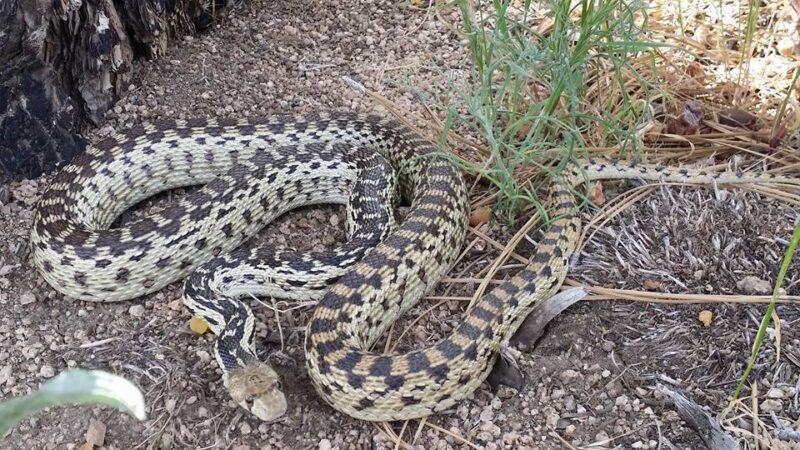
(255, 169)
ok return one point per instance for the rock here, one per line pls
(325, 444)
(203, 356)
(27, 298)
(601, 437)
(491, 428)
(568, 376)
(166, 440)
(552, 419)
(569, 403)
(754, 286)
(5, 374)
(505, 392)
(484, 436)
(775, 393)
(136, 310)
(771, 405)
(96, 433)
(47, 371)
(510, 437)
(487, 414)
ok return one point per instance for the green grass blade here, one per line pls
(767, 319)
(75, 387)
(529, 87)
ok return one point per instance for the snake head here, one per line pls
(256, 388)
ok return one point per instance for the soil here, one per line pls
(590, 380)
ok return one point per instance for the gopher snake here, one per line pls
(254, 170)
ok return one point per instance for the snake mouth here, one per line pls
(257, 388)
(269, 407)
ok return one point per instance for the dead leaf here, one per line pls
(776, 139)
(696, 71)
(787, 47)
(687, 122)
(728, 89)
(736, 117)
(597, 196)
(538, 92)
(652, 284)
(705, 36)
(480, 216)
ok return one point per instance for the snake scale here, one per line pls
(251, 171)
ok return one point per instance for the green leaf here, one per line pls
(75, 387)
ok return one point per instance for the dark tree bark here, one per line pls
(64, 63)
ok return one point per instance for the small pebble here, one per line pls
(775, 393)
(754, 286)
(245, 428)
(47, 371)
(568, 376)
(5, 374)
(771, 405)
(136, 310)
(27, 298)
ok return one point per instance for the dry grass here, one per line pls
(650, 92)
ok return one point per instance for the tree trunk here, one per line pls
(64, 63)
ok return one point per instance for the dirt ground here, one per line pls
(589, 383)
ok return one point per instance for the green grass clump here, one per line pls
(528, 90)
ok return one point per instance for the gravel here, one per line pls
(590, 378)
